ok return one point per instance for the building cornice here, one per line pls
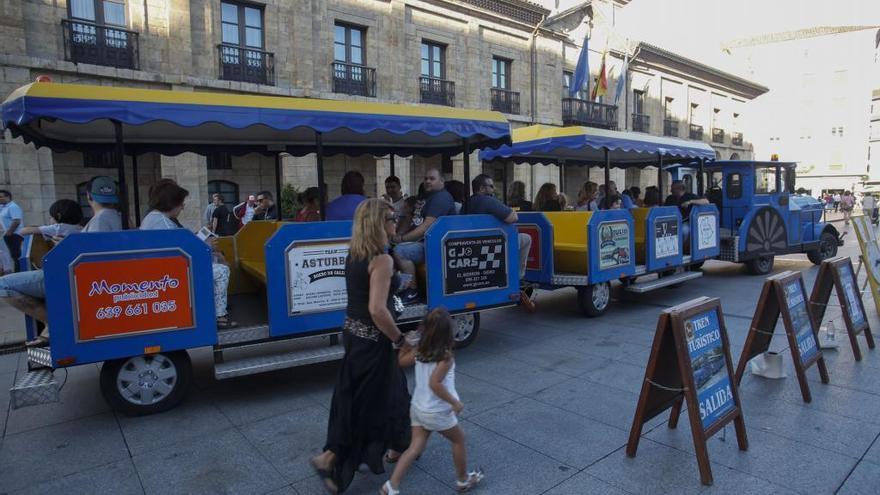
(468, 9)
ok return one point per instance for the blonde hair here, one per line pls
(368, 237)
(587, 192)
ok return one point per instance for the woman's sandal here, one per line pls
(391, 460)
(326, 476)
(388, 490)
(474, 477)
(40, 341)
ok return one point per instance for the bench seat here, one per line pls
(256, 269)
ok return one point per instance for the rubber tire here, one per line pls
(760, 265)
(585, 300)
(110, 369)
(461, 344)
(815, 256)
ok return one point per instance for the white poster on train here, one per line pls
(706, 231)
(316, 277)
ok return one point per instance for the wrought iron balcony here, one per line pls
(90, 43)
(641, 122)
(696, 132)
(717, 135)
(670, 127)
(436, 91)
(589, 113)
(238, 63)
(736, 139)
(353, 79)
(505, 101)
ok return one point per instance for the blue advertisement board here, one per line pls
(851, 291)
(796, 302)
(709, 365)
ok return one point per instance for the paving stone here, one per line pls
(627, 377)
(583, 483)
(572, 439)
(219, 462)
(873, 453)
(479, 396)
(117, 478)
(9, 362)
(287, 490)
(865, 478)
(252, 398)
(556, 356)
(365, 482)
(513, 375)
(592, 400)
(661, 469)
(60, 450)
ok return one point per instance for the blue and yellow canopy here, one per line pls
(586, 146)
(81, 117)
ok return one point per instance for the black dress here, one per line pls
(369, 412)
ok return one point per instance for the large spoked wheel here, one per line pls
(594, 299)
(143, 385)
(827, 249)
(465, 328)
(761, 265)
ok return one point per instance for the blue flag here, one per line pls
(582, 71)
(621, 80)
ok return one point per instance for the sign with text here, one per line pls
(115, 298)
(784, 295)
(614, 243)
(473, 262)
(837, 274)
(666, 240)
(870, 256)
(707, 234)
(690, 363)
(316, 276)
(533, 261)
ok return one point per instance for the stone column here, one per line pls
(28, 174)
(191, 173)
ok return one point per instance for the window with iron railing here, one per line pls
(589, 113)
(241, 53)
(96, 34)
(670, 127)
(717, 135)
(436, 91)
(641, 122)
(505, 101)
(350, 73)
(736, 139)
(696, 132)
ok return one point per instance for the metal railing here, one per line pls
(505, 101)
(238, 63)
(589, 113)
(89, 43)
(736, 139)
(354, 79)
(670, 127)
(641, 122)
(696, 132)
(717, 135)
(436, 91)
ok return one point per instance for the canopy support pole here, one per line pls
(701, 178)
(778, 179)
(607, 176)
(120, 171)
(467, 167)
(319, 160)
(137, 194)
(391, 164)
(504, 180)
(278, 184)
(562, 176)
(660, 174)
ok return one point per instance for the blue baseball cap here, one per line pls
(103, 190)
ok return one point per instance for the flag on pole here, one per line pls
(582, 70)
(601, 82)
(621, 80)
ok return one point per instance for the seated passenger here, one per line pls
(405, 220)
(484, 202)
(587, 197)
(547, 198)
(634, 194)
(563, 202)
(456, 189)
(516, 197)
(652, 197)
(311, 210)
(612, 190)
(266, 208)
(410, 247)
(25, 291)
(166, 203)
(342, 208)
(394, 194)
(612, 202)
(684, 201)
(66, 215)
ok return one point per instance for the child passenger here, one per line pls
(435, 403)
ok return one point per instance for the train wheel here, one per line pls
(827, 249)
(465, 328)
(594, 299)
(761, 265)
(143, 385)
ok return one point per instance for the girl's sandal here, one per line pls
(474, 477)
(391, 460)
(388, 490)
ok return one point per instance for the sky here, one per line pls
(698, 28)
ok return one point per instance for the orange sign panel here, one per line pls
(119, 297)
(534, 260)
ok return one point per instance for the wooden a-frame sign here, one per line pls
(784, 294)
(690, 362)
(837, 273)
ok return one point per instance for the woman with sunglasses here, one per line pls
(369, 412)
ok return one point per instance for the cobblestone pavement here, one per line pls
(549, 400)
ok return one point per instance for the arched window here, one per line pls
(226, 189)
(734, 156)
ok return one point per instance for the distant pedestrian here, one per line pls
(12, 219)
(311, 201)
(836, 202)
(869, 204)
(847, 201)
(223, 221)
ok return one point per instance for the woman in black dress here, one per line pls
(369, 413)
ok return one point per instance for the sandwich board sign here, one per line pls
(784, 294)
(837, 273)
(690, 362)
(870, 257)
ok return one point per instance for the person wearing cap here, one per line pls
(26, 291)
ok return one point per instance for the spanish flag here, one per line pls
(601, 86)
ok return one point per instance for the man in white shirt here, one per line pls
(869, 204)
(11, 217)
(394, 194)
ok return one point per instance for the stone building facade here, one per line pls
(509, 55)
